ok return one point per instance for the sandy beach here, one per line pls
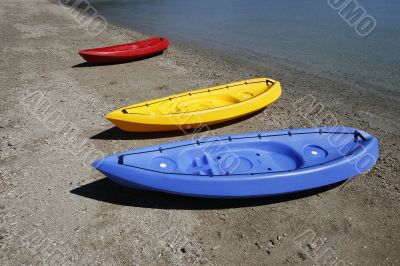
(55, 209)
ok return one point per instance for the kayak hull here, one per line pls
(145, 127)
(269, 163)
(125, 52)
(198, 108)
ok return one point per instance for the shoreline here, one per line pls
(48, 190)
(279, 67)
(240, 53)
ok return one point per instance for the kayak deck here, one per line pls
(198, 108)
(243, 155)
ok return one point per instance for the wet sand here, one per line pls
(56, 208)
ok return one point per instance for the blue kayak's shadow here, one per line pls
(107, 191)
(115, 133)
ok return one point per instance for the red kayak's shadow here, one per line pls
(87, 64)
(115, 133)
(107, 191)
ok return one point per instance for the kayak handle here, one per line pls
(359, 135)
(268, 82)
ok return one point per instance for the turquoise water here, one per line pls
(306, 32)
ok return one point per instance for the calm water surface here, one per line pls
(307, 32)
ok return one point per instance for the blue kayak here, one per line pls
(246, 165)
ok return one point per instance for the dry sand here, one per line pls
(56, 209)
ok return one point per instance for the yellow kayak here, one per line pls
(198, 108)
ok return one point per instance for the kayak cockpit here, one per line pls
(249, 155)
(200, 100)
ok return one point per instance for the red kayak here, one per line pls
(125, 52)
